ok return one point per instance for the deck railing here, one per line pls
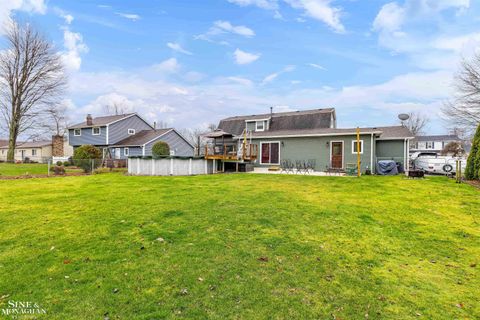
(247, 152)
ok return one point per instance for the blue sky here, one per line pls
(190, 63)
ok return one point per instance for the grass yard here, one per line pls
(241, 246)
(21, 169)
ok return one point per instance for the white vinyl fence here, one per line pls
(169, 166)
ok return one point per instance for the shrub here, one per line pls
(66, 163)
(59, 163)
(473, 162)
(58, 170)
(160, 149)
(87, 157)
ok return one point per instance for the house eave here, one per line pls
(336, 134)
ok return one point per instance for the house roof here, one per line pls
(142, 137)
(450, 137)
(101, 121)
(392, 132)
(3, 142)
(30, 144)
(280, 121)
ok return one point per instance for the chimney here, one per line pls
(57, 146)
(271, 111)
(154, 125)
(89, 120)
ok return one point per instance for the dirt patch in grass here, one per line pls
(42, 176)
(474, 183)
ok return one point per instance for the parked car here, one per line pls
(432, 162)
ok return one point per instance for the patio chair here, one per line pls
(310, 166)
(284, 166)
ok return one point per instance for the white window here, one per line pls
(354, 146)
(429, 145)
(260, 126)
(126, 151)
(34, 152)
(77, 132)
(131, 131)
(96, 131)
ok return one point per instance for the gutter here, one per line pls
(314, 135)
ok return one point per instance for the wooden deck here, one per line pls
(228, 153)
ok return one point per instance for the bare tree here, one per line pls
(195, 137)
(32, 78)
(464, 109)
(115, 108)
(416, 123)
(161, 125)
(56, 122)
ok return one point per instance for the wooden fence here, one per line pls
(169, 166)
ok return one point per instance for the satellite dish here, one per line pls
(403, 116)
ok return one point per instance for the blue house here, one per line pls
(120, 136)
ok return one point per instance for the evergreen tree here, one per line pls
(472, 170)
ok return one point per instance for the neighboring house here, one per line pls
(311, 135)
(120, 136)
(38, 151)
(434, 143)
(3, 143)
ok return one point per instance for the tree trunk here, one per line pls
(12, 142)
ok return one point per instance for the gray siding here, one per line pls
(119, 130)
(132, 151)
(87, 137)
(318, 148)
(181, 147)
(391, 150)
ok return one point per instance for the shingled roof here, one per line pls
(101, 121)
(30, 144)
(280, 121)
(142, 137)
(438, 138)
(392, 132)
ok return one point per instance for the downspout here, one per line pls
(405, 155)
(371, 154)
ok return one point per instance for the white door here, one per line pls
(117, 153)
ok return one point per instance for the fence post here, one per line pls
(206, 166)
(190, 166)
(171, 166)
(48, 168)
(138, 166)
(92, 163)
(153, 167)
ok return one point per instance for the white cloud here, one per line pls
(390, 17)
(167, 66)
(320, 10)
(242, 57)
(9, 6)
(264, 4)
(74, 47)
(177, 47)
(228, 27)
(223, 27)
(129, 16)
(316, 66)
(275, 75)
(240, 80)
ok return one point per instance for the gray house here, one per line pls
(307, 135)
(120, 136)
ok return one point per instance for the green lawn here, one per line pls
(20, 169)
(29, 169)
(241, 246)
